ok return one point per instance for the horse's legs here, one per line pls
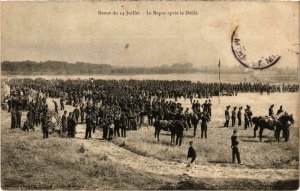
(260, 134)
(254, 130)
(287, 133)
(172, 137)
(180, 139)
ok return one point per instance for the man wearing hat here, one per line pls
(45, 126)
(233, 116)
(239, 116)
(246, 118)
(227, 116)
(209, 107)
(280, 110)
(235, 148)
(249, 112)
(271, 111)
(205, 118)
(89, 126)
(191, 157)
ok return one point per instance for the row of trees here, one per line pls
(81, 68)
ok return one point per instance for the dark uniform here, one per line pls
(209, 107)
(227, 116)
(64, 122)
(246, 118)
(234, 147)
(89, 126)
(239, 116)
(204, 123)
(191, 153)
(271, 111)
(13, 119)
(18, 115)
(45, 127)
(250, 115)
(195, 121)
(280, 110)
(123, 124)
(233, 116)
(72, 126)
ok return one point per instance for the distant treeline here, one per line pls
(61, 67)
(81, 68)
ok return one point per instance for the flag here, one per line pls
(219, 65)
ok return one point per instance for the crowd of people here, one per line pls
(116, 105)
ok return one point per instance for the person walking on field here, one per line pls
(191, 157)
(235, 148)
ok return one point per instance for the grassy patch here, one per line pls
(216, 149)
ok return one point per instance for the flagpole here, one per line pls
(219, 79)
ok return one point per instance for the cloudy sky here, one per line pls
(73, 32)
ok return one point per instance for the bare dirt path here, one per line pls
(124, 157)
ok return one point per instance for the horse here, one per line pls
(283, 124)
(263, 123)
(175, 127)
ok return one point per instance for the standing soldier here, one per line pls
(249, 115)
(117, 118)
(209, 107)
(72, 126)
(55, 106)
(82, 113)
(246, 118)
(195, 121)
(45, 126)
(62, 106)
(235, 148)
(69, 124)
(89, 126)
(233, 116)
(18, 115)
(105, 123)
(13, 118)
(76, 114)
(123, 124)
(187, 118)
(204, 124)
(64, 122)
(239, 116)
(227, 116)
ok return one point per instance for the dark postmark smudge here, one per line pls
(239, 53)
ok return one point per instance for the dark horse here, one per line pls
(283, 123)
(175, 127)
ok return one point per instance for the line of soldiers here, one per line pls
(73, 91)
(238, 115)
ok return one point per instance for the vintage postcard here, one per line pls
(150, 95)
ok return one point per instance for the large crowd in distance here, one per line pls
(123, 104)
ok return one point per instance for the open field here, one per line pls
(139, 162)
(216, 149)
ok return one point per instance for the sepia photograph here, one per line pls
(150, 95)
